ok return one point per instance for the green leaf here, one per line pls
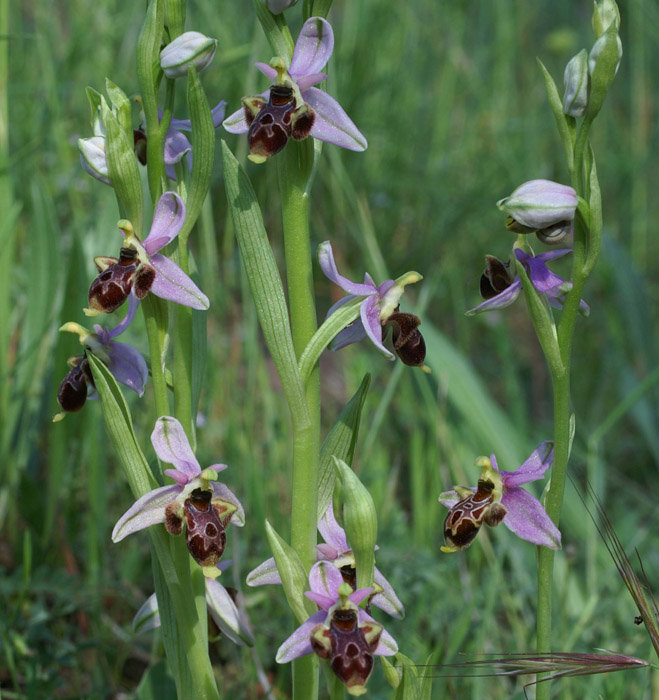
(342, 317)
(122, 107)
(360, 522)
(340, 442)
(203, 151)
(409, 687)
(595, 223)
(293, 576)
(95, 103)
(123, 171)
(265, 283)
(175, 13)
(565, 127)
(276, 31)
(120, 428)
(156, 683)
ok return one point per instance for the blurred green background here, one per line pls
(449, 95)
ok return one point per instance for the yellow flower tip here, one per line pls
(92, 312)
(256, 158)
(211, 571)
(81, 331)
(449, 550)
(58, 417)
(426, 369)
(125, 226)
(209, 474)
(408, 278)
(356, 690)
(345, 589)
(483, 462)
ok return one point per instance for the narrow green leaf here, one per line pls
(360, 522)
(122, 107)
(120, 428)
(95, 102)
(123, 171)
(340, 443)
(409, 686)
(203, 151)
(293, 576)
(565, 127)
(342, 317)
(265, 283)
(596, 224)
(276, 31)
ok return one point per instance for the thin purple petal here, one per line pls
(298, 644)
(146, 511)
(320, 600)
(128, 366)
(265, 574)
(133, 305)
(533, 468)
(307, 81)
(267, 70)
(331, 531)
(313, 47)
(222, 491)
(500, 301)
(528, 519)
(328, 266)
(325, 579)
(176, 146)
(370, 315)
(326, 551)
(332, 124)
(167, 222)
(172, 446)
(360, 594)
(179, 477)
(173, 284)
(354, 333)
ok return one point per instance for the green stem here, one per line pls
(182, 342)
(294, 169)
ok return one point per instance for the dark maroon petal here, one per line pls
(205, 534)
(72, 392)
(112, 287)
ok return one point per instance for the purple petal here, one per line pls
(222, 491)
(179, 477)
(370, 315)
(313, 47)
(267, 70)
(331, 531)
(217, 113)
(306, 81)
(146, 511)
(173, 284)
(328, 266)
(546, 281)
(322, 601)
(533, 468)
(226, 615)
(354, 333)
(298, 643)
(387, 645)
(387, 600)
(128, 366)
(332, 124)
(133, 305)
(500, 301)
(528, 520)
(385, 287)
(325, 579)
(326, 551)
(265, 574)
(549, 255)
(167, 222)
(177, 146)
(360, 594)
(172, 446)
(218, 467)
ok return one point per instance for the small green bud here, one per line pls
(575, 99)
(603, 63)
(605, 13)
(189, 49)
(390, 672)
(360, 522)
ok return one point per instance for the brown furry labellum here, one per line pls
(408, 341)
(72, 392)
(466, 517)
(496, 277)
(113, 285)
(348, 645)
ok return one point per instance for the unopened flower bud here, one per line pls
(605, 13)
(603, 63)
(92, 158)
(278, 6)
(189, 49)
(575, 99)
(538, 204)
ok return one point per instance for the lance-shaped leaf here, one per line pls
(293, 577)
(340, 443)
(265, 283)
(122, 106)
(564, 124)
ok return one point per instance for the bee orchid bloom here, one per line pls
(140, 269)
(292, 107)
(498, 498)
(340, 631)
(500, 288)
(197, 500)
(378, 310)
(335, 550)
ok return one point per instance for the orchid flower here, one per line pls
(538, 204)
(140, 269)
(379, 308)
(498, 498)
(500, 288)
(125, 362)
(292, 107)
(340, 631)
(197, 500)
(335, 549)
(220, 607)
